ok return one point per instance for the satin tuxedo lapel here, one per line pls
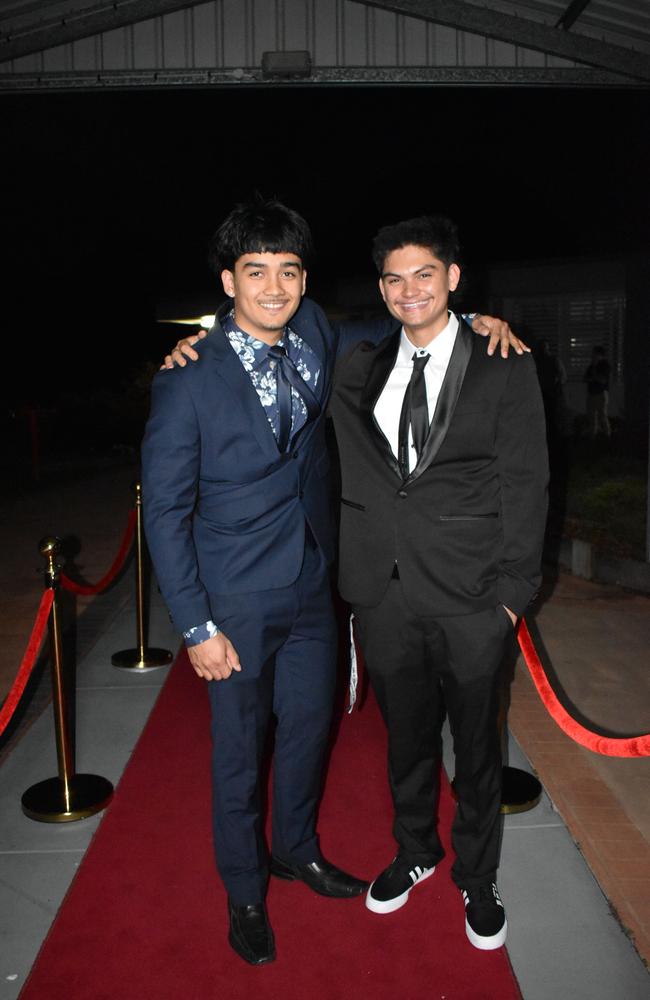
(230, 369)
(382, 364)
(449, 393)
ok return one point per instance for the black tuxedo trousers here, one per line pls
(421, 668)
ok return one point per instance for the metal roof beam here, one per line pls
(521, 31)
(571, 14)
(45, 33)
(324, 76)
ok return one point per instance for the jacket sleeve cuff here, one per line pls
(200, 633)
(515, 594)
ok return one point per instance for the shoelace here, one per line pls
(486, 893)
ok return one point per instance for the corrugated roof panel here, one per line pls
(233, 34)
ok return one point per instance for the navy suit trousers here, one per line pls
(286, 640)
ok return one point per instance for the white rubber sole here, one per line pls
(397, 902)
(486, 943)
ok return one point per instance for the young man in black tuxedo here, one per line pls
(444, 476)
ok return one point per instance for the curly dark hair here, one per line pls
(259, 226)
(436, 232)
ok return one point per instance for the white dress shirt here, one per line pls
(389, 405)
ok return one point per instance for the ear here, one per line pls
(453, 274)
(228, 282)
(304, 282)
(381, 289)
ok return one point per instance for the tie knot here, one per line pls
(419, 361)
(278, 352)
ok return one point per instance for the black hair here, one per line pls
(259, 226)
(435, 232)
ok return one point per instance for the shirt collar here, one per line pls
(241, 338)
(439, 348)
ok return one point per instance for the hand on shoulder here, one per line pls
(500, 334)
(183, 351)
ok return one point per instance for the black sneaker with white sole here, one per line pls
(485, 918)
(390, 890)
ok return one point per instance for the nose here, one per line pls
(409, 288)
(273, 285)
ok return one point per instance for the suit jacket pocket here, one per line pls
(351, 503)
(465, 517)
(233, 505)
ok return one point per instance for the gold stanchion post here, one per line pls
(144, 657)
(70, 796)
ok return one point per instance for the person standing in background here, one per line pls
(597, 378)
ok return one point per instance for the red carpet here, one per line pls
(146, 914)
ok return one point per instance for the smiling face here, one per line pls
(267, 289)
(415, 285)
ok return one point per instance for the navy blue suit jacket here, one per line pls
(224, 511)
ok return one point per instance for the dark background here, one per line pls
(110, 198)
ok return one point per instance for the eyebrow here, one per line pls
(286, 263)
(395, 274)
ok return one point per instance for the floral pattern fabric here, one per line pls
(253, 355)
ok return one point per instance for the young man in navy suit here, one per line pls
(237, 520)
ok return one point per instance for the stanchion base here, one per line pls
(520, 791)
(46, 801)
(130, 659)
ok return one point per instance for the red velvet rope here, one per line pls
(87, 589)
(631, 746)
(29, 659)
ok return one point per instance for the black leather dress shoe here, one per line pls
(321, 876)
(250, 933)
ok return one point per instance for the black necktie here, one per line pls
(415, 414)
(288, 376)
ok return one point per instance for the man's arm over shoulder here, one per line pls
(523, 472)
(310, 314)
(349, 333)
(170, 474)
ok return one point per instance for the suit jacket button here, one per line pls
(295, 454)
(301, 495)
(403, 494)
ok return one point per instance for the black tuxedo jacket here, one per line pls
(467, 525)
